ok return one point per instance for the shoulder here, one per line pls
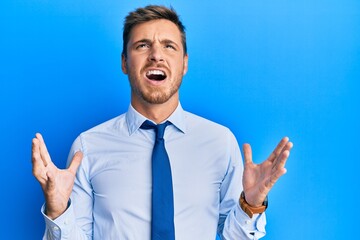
(112, 126)
(209, 128)
(102, 137)
(100, 133)
(217, 138)
(194, 121)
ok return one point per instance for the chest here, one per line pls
(122, 178)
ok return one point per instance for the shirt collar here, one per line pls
(134, 119)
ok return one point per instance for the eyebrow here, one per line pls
(168, 41)
(148, 41)
(142, 41)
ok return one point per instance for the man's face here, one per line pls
(155, 62)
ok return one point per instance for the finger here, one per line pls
(282, 158)
(275, 177)
(288, 146)
(281, 161)
(279, 171)
(45, 156)
(247, 153)
(37, 164)
(75, 162)
(35, 150)
(279, 148)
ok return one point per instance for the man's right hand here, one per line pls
(56, 183)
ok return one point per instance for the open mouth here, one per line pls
(156, 75)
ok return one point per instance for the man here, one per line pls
(109, 188)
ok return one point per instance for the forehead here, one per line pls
(156, 29)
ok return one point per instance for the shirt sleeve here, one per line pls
(234, 223)
(76, 222)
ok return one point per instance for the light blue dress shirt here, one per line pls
(112, 192)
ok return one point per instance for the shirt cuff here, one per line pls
(255, 225)
(62, 225)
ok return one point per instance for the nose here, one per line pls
(156, 54)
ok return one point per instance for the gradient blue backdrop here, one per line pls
(263, 68)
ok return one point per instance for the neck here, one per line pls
(156, 112)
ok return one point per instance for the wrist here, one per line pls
(251, 210)
(54, 213)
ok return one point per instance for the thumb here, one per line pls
(247, 153)
(75, 162)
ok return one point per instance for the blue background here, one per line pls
(265, 69)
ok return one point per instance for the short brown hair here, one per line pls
(148, 13)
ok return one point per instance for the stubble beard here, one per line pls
(154, 94)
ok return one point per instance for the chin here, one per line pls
(156, 99)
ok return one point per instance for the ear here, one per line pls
(186, 60)
(123, 64)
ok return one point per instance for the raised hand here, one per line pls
(56, 183)
(258, 179)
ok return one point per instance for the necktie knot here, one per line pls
(159, 128)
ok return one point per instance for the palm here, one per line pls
(56, 183)
(258, 179)
(61, 188)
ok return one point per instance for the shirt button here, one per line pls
(247, 222)
(56, 228)
(66, 222)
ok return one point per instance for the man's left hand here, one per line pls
(258, 179)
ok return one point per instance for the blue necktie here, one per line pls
(162, 212)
